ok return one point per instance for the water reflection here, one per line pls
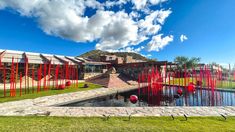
(166, 97)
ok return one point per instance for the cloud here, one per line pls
(183, 38)
(155, 2)
(139, 4)
(112, 30)
(129, 49)
(151, 24)
(143, 4)
(117, 34)
(158, 42)
(109, 4)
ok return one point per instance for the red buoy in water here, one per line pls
(61, 86)
(133, 99)
(191, 87)
(180, 92)
(68, 83)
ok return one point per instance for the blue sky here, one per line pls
(208, 25)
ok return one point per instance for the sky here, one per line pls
(161, 29)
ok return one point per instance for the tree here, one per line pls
(189, 62)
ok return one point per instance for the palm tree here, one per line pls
(189, 62)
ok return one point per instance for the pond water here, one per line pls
(166, 97)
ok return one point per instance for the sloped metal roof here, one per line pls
(36, 58)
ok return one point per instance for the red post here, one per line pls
(38, 84)
(49, 75)
(69, 72)
(40, 76)
(61, 75)
(12, 78)
(66, 71)
(45, 77)
(54, 79)
(139, 85)
(234, 75)
(72, 74)
(33, 80)
(56, 76)
(185, 73)
(76, 77)
(64, 74)
(4, 80)
(20, 84)
(165, 72)
(26, 74)
(16, 77)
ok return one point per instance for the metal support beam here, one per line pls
(60, 59)
(2, 53)
(45, 58)
(74, 60)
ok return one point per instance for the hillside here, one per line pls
(95, 55)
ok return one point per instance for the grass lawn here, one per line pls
(31, 95)
(222, 84)
(74, 124)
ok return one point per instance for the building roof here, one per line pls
(36, 58)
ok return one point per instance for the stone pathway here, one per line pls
(48, 106)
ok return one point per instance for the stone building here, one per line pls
(115, 60)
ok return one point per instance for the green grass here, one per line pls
(222, 84)
(80, 124)
(31, 95)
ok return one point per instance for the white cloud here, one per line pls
(183, 38)
(143, 4)
(155, 2)
(129, 49)
(139, 4)
(117, 34)
(158, 42)
(149, 55)
(139, 49)
(109, 4)
(93, 4)
(112, 30)
(151, 24)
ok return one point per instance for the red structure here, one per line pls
(155, 84)
(23, 72)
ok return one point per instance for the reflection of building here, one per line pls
(133, 69)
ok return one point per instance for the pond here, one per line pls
(166, 97)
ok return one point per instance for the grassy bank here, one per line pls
(69, 124)
(221, 84)
(32, 95)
